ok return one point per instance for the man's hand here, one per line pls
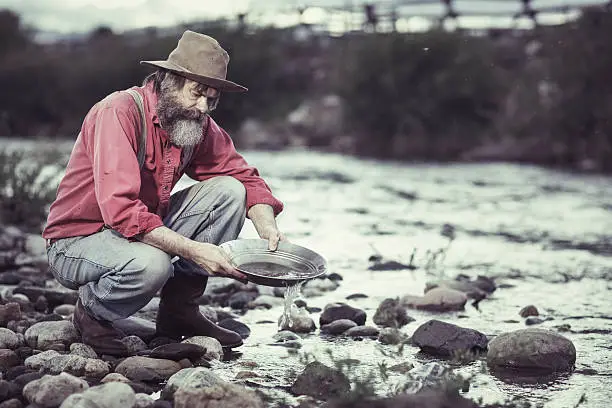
(263, 219)
(215, 261)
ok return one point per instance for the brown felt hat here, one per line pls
(201, 59)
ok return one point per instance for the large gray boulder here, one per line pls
(532, 349)
(189, 378)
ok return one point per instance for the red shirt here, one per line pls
(103, 184)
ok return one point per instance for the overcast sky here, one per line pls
(83, 15)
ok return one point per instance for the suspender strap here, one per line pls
(142, 142)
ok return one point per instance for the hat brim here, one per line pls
(222, 85)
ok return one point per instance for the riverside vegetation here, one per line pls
(542, 96)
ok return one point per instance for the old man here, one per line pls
(117, 234)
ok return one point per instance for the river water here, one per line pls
(545, 235)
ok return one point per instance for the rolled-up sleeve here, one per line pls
(117, 174)
(217, 156)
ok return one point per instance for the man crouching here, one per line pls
(116, 233)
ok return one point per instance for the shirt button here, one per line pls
(165, 188)
(168, 161)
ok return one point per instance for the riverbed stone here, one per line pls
(285, 335)
(362, 331)
(115, 377)
(109, 395)
(337, 311)
(322, 382)
(51, 390)
(338, 326)
(44, 334)
(439, 299)
(8, 339)
(532, 349)
(214, 350)
(8, 359)
(529, 310)
(8, 312)
(134, 344)
(217, 396)
(178, 351)
(471, 291)
(189, 378)
(446, 340)
(83, 350)
(12, 403)
(136, 326)
(38, 361)
(77, 365)
(298, 322)
(266, 302)
(240, 300)
(390, 313)
(147, 369)
(64, 310)
(143, 401)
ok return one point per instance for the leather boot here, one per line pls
(99, 334)
(179, 313)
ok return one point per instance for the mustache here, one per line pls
(190, 114)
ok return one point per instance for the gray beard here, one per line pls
(185, 132)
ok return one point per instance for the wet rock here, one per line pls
(134, 344)
(427, 398)
(299, 321)
(15, 371)
(42, 335)
(242, 375)
(147, 369)
(362, 331)
(8, 359)
(38, 361)
(437, 300)
(41, 305)
(446, 340)
(532, 349)
(485, 283)
(8, 339)
(136, 326)
(110, 395)
(338, 327)
(532, 321)
(51, 390)
(240, 300)
(114, 377)
(321, 382)
(337, 311)
(290, 344)
(390, 313)
(9, 390)
(178, 351)
(64, 310)
(82, 350)
(54, 297)
(8, 312)
(77, 366)
(356, 296)
(285, 335)
(266, 302)
(143, 401)
(217, 395)
(189, 378)
(213, 348)
(11, 403)
(334, 276)
(402, 368)
(322, 285)
(391, 335)
(530, 310)
(467, 287)
(234, 325)
(389, 266)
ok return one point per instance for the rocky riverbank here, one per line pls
(43, 363)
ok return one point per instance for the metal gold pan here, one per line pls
(288, 265)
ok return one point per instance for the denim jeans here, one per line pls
(116, 277)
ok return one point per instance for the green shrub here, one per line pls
(420, 96)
